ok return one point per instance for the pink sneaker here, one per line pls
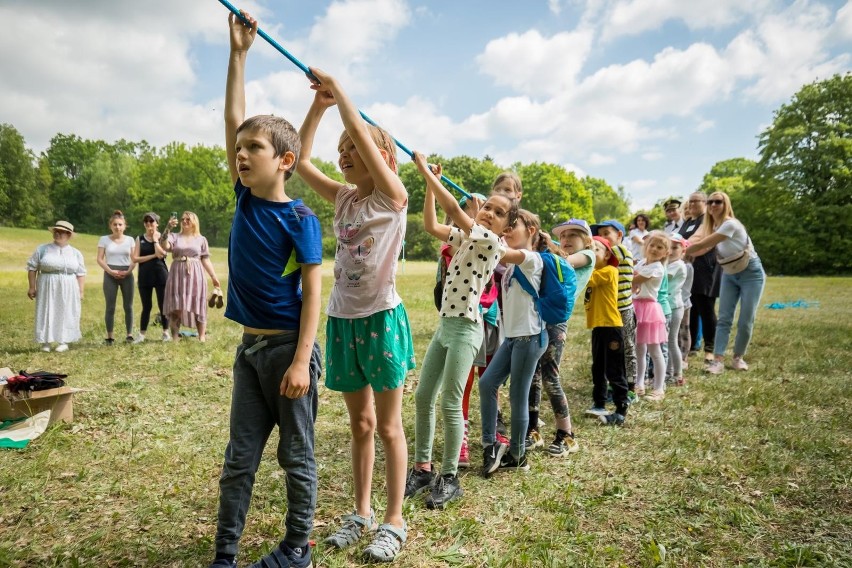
(464, 456)
(738, 364)
(715, 368)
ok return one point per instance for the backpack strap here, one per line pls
(522, 279)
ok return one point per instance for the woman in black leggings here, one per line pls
(152, 273)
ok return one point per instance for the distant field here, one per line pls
(747, 469)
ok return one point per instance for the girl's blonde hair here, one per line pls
(540, 242)
(196, 227)
(512, 177)
(710, 223)
(384, 141)
(657, 236)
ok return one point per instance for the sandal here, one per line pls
(386, 544)
(353, 528)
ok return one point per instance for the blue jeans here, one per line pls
(745, 289)
(256, 408)
(516, 356)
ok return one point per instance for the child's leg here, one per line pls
(362, 424)
(665, 346)
(534, 399)
(526, 352)
(392, 434)
(549, 368)
(685, 335)
(431, 376)
(468, 388)
(494, 376)
(599, 367)
(656, 351)
(673, 368)
(628, 320)
(641, 352)
(615, 368)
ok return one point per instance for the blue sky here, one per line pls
(647, 94)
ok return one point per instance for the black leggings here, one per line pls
(703, 307)
(145, 296)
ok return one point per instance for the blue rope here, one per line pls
(310, 75)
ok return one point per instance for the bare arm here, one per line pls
(31, 278)
(432, 175)
(297, 379)
(513, 256)
(579, 260)
(326, 187)
(705, 244)
(242, 36)
(430, 217)
(384, 178)
(102, 262)
(208, 267)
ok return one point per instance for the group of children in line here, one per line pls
(487, 320)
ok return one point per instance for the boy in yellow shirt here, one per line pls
(604, 319)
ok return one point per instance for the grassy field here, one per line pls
(749, 469)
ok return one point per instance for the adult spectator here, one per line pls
(153, 274)
(674, 219)
(743, 278)
(186, 287)
(636, 236)
(56, 273)
(705, 281)
(114, 256)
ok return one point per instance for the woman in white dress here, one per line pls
(56, 274)
(636, 237)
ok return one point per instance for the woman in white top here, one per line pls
(723, 231)
(115, 253)
(637, 235)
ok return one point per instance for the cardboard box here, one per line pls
(27, 403)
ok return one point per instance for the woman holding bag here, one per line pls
(743, 278)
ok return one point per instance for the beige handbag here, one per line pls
(736, 263)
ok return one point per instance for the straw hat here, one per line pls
(62, 226)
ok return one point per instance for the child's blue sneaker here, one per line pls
(282, 556)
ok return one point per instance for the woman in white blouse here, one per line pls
(742, 285)
(115, 252)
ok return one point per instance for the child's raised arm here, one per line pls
(445, 198)
(384, 178)
(242, 36)
(326, 187)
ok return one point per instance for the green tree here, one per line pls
(23, 202)
(607, 203)
(554, 193)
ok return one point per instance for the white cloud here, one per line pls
(554, 6)
(596, 159)
(842, 29)
(578, 171)
(704, 125)
(536, 65)
(653, 156)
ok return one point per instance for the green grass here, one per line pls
(749, 469)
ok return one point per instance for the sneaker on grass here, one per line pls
(284, 556)
(445, 489)
(417, 481)
(386, 543)
(597, 411)
(533, 440)
(738, 364)
(510, 463)
(62, 347)
(464, 456)
(614, 419)
(501, 438)
(491, 457)
(562, 445)
(715, 368)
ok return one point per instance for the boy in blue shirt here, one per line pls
(275, 253)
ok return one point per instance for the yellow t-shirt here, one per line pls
(601, 300)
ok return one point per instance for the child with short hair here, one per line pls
(575, 239)
(677, 271)
(369, 349)
(613, 232)
(650, 321)
(604, 319)
(275, 256)
(476, 250)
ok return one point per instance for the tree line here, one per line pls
(795, 200)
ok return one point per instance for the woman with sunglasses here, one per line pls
(186, 287)
(153, 274)
(743, 278)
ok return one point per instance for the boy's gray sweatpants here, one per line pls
(256, 408)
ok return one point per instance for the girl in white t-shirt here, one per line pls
(677, 272)
(650, 321)
(369, 350)
(476, 250)
(115, 253)
(525, 341)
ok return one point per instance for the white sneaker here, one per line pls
(167, 336)
(46, 347)
(62, 347)
(738, 364)
(715, 368)
(139, 339)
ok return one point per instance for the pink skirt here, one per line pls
(650, 322)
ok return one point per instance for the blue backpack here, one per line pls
(554, 299)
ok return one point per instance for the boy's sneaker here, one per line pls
(533, 440)
(597, 411)
(491, 457)
(283, 555)
(464, 456)
(139, 339)
(417, 481)
(509, 463)
(715, 368)
(614, 419)
(445, 489)
(737, 364)
(562, 445)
